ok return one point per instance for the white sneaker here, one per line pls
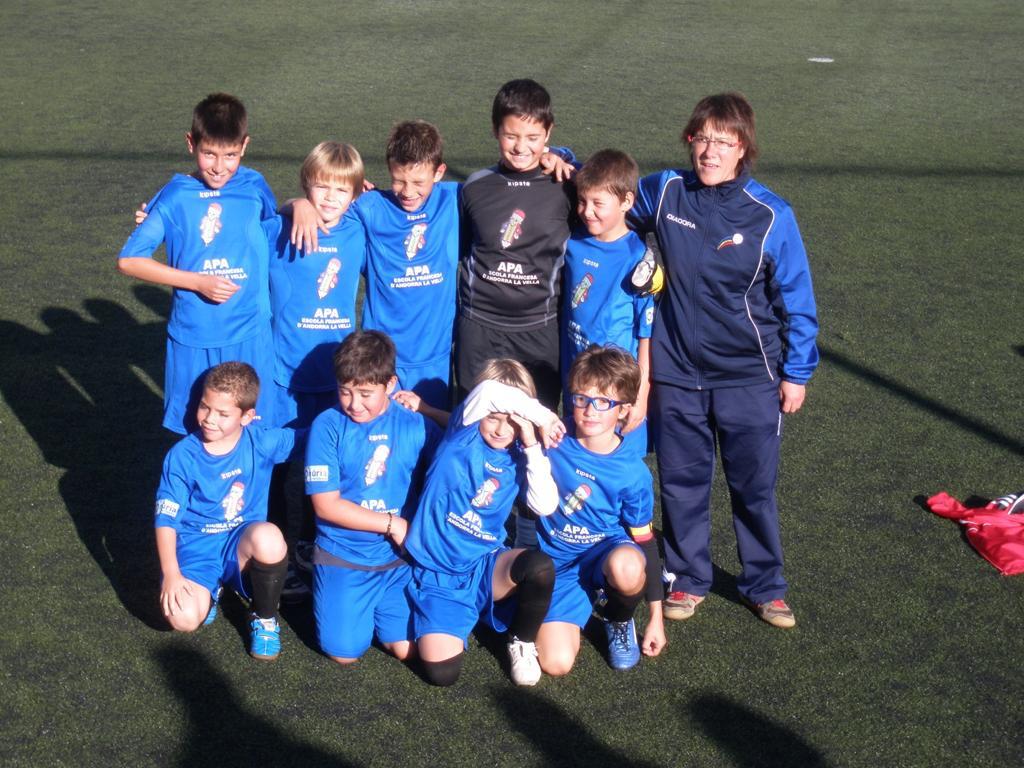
(523, 657)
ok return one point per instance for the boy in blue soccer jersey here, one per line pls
(211, 510)
(313, 297)
(462, 571)
(364, 464)
(217, 259)
(412, 233)
(600, 537)
(599, 305)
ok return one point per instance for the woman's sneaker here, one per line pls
(681, 605)
(774, 612)
(265, 640)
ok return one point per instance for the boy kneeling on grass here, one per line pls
(211, 510)
(462, 572)
(600, 533)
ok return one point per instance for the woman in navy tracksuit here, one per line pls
(732, 348)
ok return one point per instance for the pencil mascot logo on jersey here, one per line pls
(415, 240)
(233, 502)
(211, 225)
(513, 228)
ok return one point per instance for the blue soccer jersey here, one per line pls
(201, 493)
(313, 296)
(376, 465)
(212, 232)
(598, 306)
(602, 496)
(468, 496)
(411, 266)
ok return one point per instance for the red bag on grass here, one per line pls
(993, 530)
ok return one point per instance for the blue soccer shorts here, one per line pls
(578, 578)
(452, 604)
(428, 380)
(210, 559)
(351, 605)
(298, 409)
(186, 366)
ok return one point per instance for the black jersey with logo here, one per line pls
(516, 226)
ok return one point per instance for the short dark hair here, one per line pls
(522, 98)
(413, 142)
(609, 169)
(607, 369)
(219, 119)
(236, 379)
(365, 357)
(729, 113)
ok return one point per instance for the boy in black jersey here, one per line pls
(515, 219)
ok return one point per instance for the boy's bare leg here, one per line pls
(558, 644)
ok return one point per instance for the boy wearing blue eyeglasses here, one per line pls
(601, 535)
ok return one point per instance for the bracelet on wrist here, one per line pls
(391, 519)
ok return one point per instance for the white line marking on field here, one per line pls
(821, 59)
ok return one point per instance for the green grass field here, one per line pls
(903, 160)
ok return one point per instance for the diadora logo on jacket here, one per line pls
(683, 222)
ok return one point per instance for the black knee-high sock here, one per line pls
(267, 580)
(620, 607)
(534, 575)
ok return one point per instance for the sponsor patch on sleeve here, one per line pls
(317, 473)
(167, 507)
(643, 533)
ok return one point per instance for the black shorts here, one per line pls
(535, 348)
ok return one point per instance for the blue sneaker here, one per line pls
(623, 648)
(266, 638)
(214, 599)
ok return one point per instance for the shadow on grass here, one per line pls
(961, 420)
(750, 738)
(562, 740)
(219, 731)
(83, 390)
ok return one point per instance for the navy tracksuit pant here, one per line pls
(746, 424)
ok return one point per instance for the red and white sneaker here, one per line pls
(681, 605)
(775, 612)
